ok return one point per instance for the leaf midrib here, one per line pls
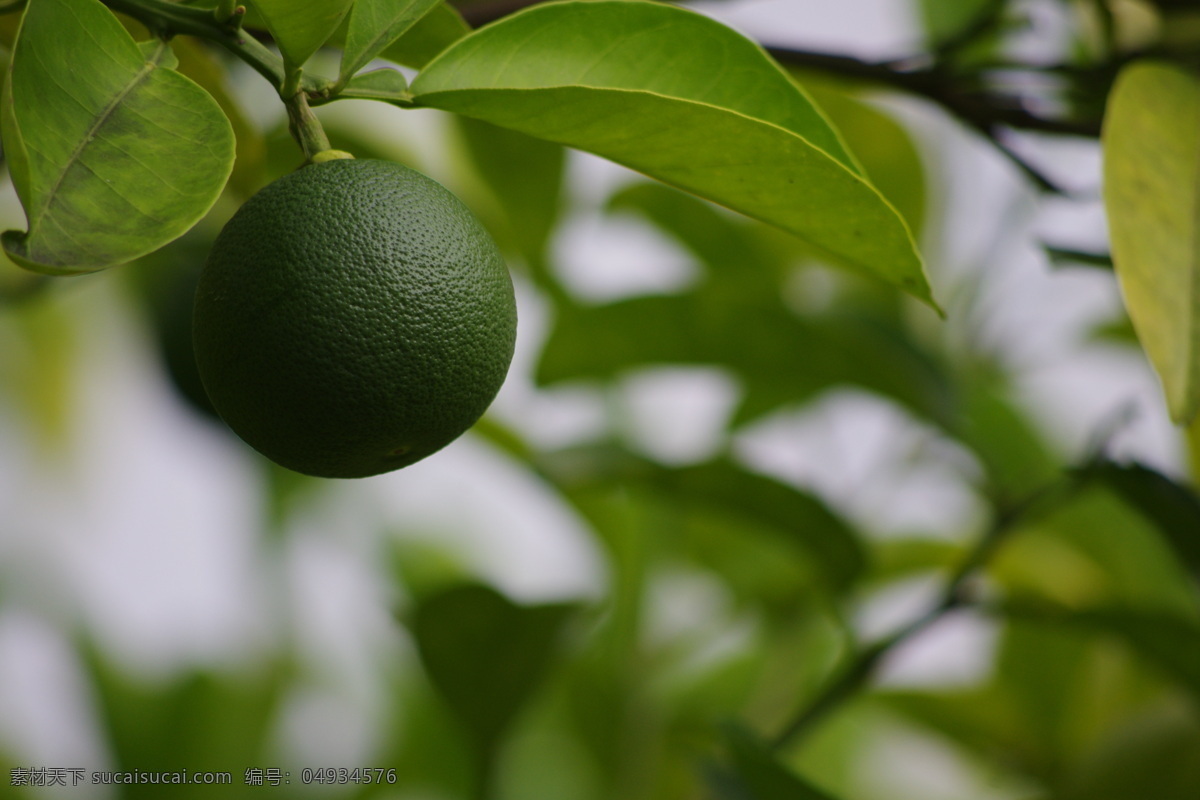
(147, 67)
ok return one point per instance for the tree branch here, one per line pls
(981, 111)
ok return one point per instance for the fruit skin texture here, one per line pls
(352, 318)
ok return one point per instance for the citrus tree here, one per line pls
(347, 316)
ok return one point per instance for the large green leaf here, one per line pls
(1152, 195)
(111, 154)
(375, 24)
(300, 27)
(485, 654)
(683, 99)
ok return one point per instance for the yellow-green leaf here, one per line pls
(112, 155)
(1152, 194)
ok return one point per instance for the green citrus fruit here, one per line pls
(353, 318)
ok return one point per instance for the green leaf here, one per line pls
(433, 33)
(1170, 642)
(113, 166)
(1174, 509)
(990, 421)
(1151, 755)
(683, 99)
(197, 720)
(378, 84)
(1152, 196)
(987, 721)
(300, 27)
(783, 359)
(721, 487)
(758, 774)
(946, 19)
(486, 655)
(375, 24)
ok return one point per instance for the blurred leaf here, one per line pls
(1039, 676)
(424, 745)
(985, 721)
(758, 774)
(1173, 508)
(1117, 331)
(1014, 453)
(40, 339)
(1152, 195)
(166, 283)
(524, 176)
(740, 300)
(194, 722)
(765, 571)
(781, 358)
(723, 488)
(1114, 556)
(740, 133)
(1054, 691)
(375, 24)
(486, 655)
(1060, 256)
(1156, 755)
(300, 27)
(1193, 448)
(1171, 643)
(897, 558)
(441, 27)
(736, 258)
(946, 19)
(110, 168)
(617, 717)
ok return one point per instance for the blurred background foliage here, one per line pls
(831, 546)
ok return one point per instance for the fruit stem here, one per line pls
(304, 126)
(227, 10)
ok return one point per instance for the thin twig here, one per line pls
(979, 110)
